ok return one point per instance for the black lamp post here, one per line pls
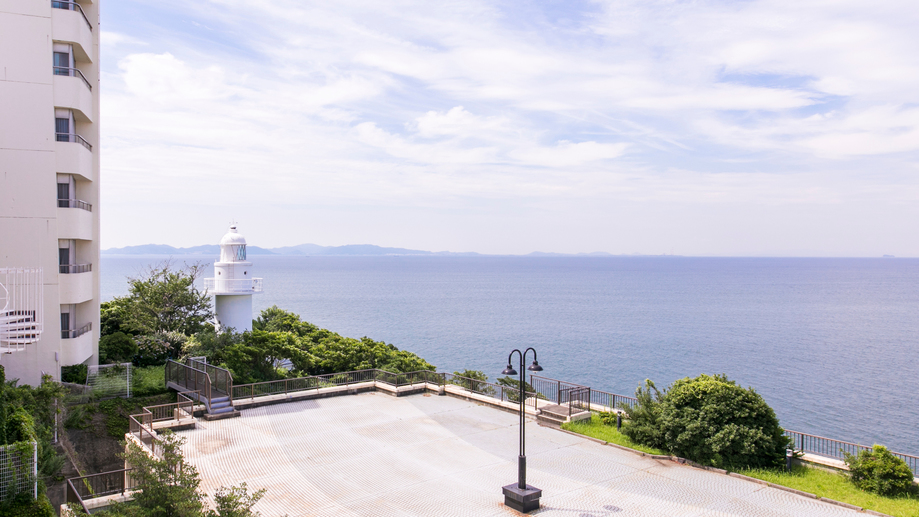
(521, 496)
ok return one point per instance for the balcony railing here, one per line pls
(71, 334)
(69, 137)
(234, 286)
(72, 72)
(74, 203)
(71, 6)
(69, 269)
(94, 486)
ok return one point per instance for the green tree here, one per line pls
(643, 418)
(473, 380)
(164, 299)
(514, 396)
(170, 484)
(236, 502)
(116, 348)
(261, 354)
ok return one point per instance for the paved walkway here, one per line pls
(374, 454)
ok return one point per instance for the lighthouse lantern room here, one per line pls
(233, 284)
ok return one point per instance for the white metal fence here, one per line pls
(18, 469)
(109, 380)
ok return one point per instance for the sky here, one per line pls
(705, 128)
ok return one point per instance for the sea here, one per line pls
(830, 343)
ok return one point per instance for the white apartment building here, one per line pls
(49, 174)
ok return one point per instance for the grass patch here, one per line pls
(837, 486)
(608, 433)
(148, 381)
(111, 416)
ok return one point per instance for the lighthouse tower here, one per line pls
(233, 284)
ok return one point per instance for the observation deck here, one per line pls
(233, 286)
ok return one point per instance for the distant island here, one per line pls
(353, 250)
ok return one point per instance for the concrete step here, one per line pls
(232, 413)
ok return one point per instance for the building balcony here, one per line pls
(234, 286)
(69, 23)
(76, 345)
(75, 283)
(72, 72)
(74, 220)
(71, 92)
(71, 158)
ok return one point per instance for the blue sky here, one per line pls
(763, 128)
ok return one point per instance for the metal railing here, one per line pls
(575, 397)
(494, 390)
(183, 408)
(71, 137)
(74, 203)
(75, 333)
(72, 72)
(69, 269)
(599, 400)
(193, 381)
(71, 6)
(315, 382)
(221, 380)
(141, 426)
(838, 449)
(235, 285)
(85, 488)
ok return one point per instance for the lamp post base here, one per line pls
(524, 501)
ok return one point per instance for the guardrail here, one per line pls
(234, 285)
(71, 6)
(315, 382)
(190, 380)
(143, 430)
(598, 400)
(69, 269)
(831, 448)
(85, 488)
(70, 137)
(221, 380)
(74, 203)
(75, 333)
(72, 72)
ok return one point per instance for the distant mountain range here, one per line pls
(354, 250)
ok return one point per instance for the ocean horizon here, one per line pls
(829, 342)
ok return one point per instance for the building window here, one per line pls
(63, 195)
(62, 128)
(62, 63)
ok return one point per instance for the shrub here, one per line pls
(710, 420)
(148, 381)
(116, 348)
(75, 373)
(643, 424)
(877, 470)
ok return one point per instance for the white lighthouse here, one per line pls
(233, 284)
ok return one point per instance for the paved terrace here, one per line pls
(423, 455)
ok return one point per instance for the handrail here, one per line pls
(71, 6)
(222, 378)
(200, 381)
(67, 269)
(83, 488)
(72, 72)
(74, 203)
(75, 333)
(71, 137)
(828, 447)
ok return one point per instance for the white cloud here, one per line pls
(468, 103)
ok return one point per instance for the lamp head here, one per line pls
(535, 366)
(509, 370)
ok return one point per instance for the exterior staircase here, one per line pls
(219, 408)
(556, 415)
(211, 386)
